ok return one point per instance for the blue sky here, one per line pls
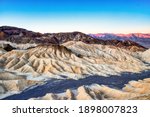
(88, 16)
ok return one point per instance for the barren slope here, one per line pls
(75, 59)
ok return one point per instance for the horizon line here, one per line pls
(43, 32)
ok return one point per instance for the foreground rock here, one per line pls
(11, 83)
(133, 90)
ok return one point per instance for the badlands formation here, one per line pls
(134, 90)
(48, 61)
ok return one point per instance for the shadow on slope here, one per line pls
(58, 86)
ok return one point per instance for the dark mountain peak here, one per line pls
(10, 30)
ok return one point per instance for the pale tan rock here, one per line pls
(83, 94)
(11, 85)
(49, 96)
(10, 82)
(69, 94)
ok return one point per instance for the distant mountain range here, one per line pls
(23, 36)
(142, 39)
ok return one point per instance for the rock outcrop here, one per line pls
(12, 83)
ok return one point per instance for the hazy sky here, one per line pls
(88, 16)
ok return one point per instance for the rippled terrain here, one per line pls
(69, 66)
